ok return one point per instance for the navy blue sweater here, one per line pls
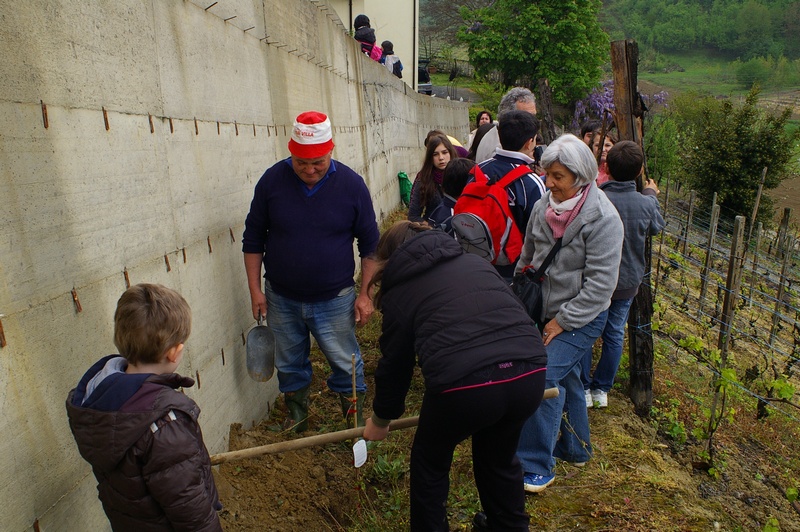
(307, 236)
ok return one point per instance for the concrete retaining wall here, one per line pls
(133, 134)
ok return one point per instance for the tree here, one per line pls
(440, 21)
(726, 145)
(526, 41)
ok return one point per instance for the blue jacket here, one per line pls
(307, 236)
(641, 217)
(442, 216)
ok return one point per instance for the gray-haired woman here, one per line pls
(575, 297)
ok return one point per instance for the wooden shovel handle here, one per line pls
(320, 439)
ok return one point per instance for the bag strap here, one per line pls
(539, 273)
(480, 177)
(513, 175)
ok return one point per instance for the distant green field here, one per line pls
(700, 73)
(443, 79)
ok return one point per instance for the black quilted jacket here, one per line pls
(449, 311)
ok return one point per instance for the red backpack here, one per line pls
(482, 220)
(374, 51)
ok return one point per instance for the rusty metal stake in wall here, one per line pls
(3, 342)
(44, 114)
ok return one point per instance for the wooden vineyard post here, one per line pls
(628, 107)
(731, 286)
(754, 272)
(755, 207)
(783, 232)
(628, 115)
(712, 233)
(685, 235)
(750, 234)
(661, 242)
(779, 303)
(728, 307)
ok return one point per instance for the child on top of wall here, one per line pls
(390, 60)
(138, 432)
(641, 217)
(366, 36)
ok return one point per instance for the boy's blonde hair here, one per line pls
(149, 320)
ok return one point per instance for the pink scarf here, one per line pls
(559, 223)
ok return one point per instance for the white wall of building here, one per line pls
(133, 134)
(392, 20)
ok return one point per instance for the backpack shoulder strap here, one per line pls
(514, 174)
(480, 177)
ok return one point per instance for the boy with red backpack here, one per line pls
(490, 220)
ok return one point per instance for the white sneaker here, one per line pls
(599, 398)
(588, 395)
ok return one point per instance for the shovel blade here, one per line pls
(260, 353)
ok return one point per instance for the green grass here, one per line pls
(443, 79)
(700, 72)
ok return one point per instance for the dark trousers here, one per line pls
(493, 415)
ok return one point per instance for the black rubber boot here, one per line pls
(297, 403)
(346, 400)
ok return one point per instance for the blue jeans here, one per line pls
(332, 323)
(540, 443)
(613, 339)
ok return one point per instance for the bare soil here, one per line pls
(309, 489)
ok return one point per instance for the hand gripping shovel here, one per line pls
(261, 352)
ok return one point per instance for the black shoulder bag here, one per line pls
(527, 285)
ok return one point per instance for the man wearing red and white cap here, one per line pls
(306, 212)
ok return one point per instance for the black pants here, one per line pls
(493, 415)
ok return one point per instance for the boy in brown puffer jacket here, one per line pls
(139, 433)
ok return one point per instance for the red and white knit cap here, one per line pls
(311, 135)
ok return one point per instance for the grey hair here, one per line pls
(575, 155)
(510, 99)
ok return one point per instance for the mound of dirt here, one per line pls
(309, 489)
